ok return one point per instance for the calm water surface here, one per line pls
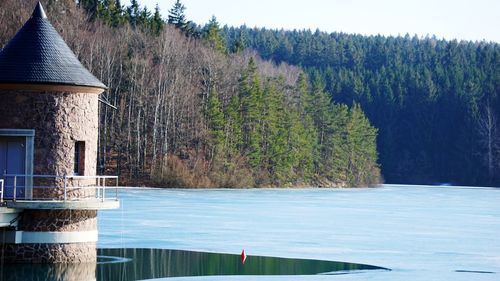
(421, 233)
(131, 264)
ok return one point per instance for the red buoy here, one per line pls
(243, 256)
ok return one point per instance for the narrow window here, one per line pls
(79, 167)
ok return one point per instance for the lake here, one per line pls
(420, 233)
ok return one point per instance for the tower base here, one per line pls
(49, 253)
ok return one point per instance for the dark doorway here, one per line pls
(13, 162)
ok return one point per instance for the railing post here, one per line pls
(65, 187)
(116, 189)
(98, 187)
(1, 195)
(103, 188)
(15, 186)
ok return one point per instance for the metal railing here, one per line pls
(1, 190)
(61, 188)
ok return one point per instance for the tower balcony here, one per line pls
(48, 192)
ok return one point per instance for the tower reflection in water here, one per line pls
(46, 272)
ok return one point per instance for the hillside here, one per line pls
(190, 113)
(435, 102)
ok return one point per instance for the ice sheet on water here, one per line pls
(423, 233)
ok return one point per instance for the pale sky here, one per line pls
(449, 19)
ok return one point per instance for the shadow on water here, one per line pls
(139, 264)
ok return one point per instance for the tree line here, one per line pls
(194, 113)
(434, 101)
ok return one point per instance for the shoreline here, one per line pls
(382, 185)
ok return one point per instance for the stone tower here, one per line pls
(48, 149)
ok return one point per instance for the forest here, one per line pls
(434, 102)
(191, 112)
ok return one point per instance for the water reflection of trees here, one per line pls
(140, 264)
(158, 263)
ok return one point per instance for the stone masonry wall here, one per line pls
(58, 220)
(49, 253)
(59, 120)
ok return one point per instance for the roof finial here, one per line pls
(39, 12)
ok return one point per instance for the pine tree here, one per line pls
(273, 131)
(306, 146)
(115, 13)
(144, 17)
(233, 128)
(240, 43)
(102, 12)
(339, 154)
(251, 109)
(133, 12)
(319, 107)
(214, 36)
(306, 142)
(192, 29)
(157, 23)
(177, 17)
(303, 99)
(362, 147)
(216, 124)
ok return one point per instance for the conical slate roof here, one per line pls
(38, 55)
